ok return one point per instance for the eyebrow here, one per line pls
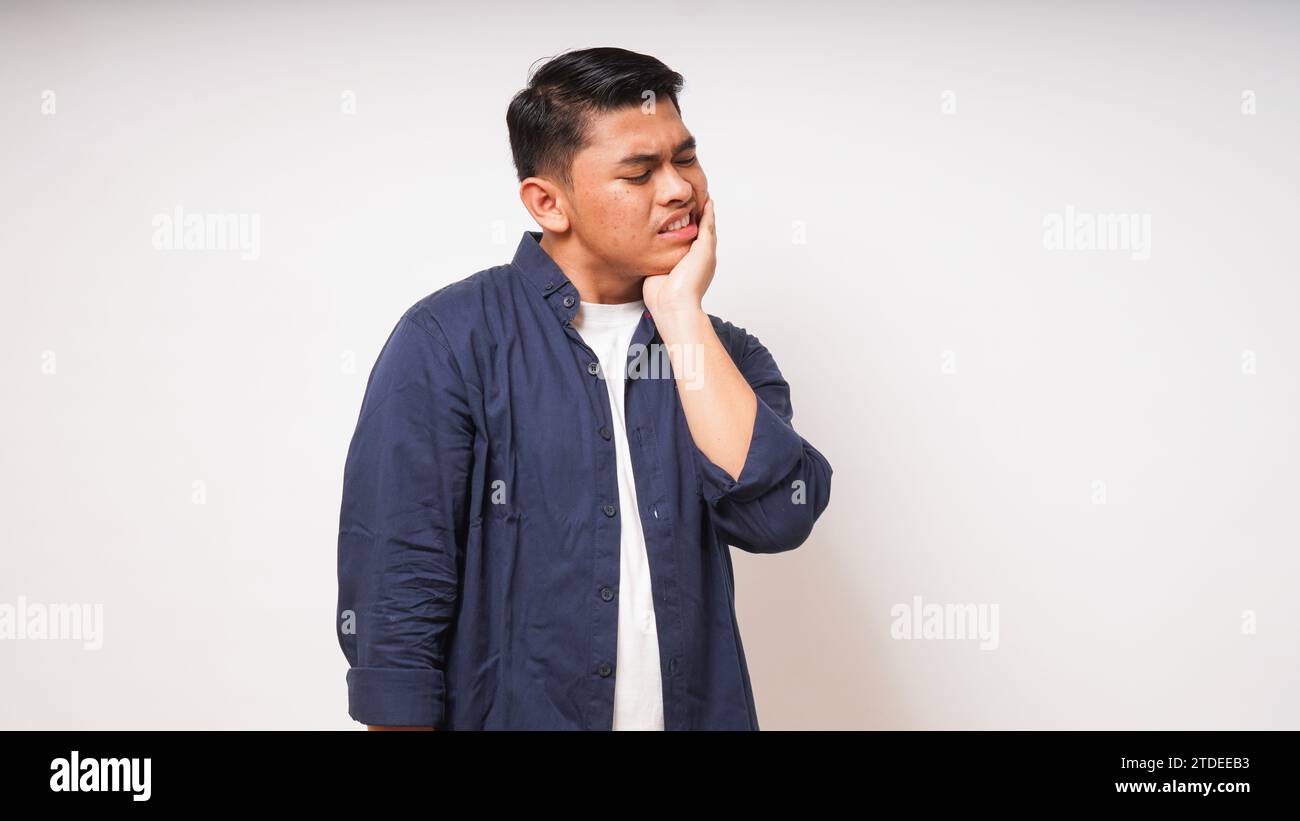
(638, 159)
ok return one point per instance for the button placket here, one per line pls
(605, 623)
(564, 303)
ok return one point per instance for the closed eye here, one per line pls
(644, 178)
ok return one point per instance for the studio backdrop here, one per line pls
(1030, 271)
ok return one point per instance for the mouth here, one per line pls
(681, 228)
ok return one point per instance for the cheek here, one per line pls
(699, 181)
(627, 223)
(619, 212)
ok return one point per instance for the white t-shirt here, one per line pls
(638, 684)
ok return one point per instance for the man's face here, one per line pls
(638, 172)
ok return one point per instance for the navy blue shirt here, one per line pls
(478, 551)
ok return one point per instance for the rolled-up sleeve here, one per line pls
(785, 483)
(402, 524)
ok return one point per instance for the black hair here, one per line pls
(548, 119)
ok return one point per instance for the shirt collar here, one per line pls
(545, 276)
(537, 266)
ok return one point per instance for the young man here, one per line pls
(553, 455)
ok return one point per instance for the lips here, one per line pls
(677, 222)
(686, 232)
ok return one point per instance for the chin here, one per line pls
(664, 263)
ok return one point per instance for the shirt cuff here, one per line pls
(396, 697)
(774, 452)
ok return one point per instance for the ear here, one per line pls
(547, 202)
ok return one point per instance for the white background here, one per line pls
(924, 235)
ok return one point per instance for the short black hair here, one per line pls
(548, 119)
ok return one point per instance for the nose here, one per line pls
(677, 187)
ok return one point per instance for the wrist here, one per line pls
(677, 316)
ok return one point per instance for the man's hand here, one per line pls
(719, 404)
(682, 288)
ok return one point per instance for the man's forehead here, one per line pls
(614, 135)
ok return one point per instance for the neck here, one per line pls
(595, 281)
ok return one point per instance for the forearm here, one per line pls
(717, 401)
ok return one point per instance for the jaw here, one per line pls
(664, 262)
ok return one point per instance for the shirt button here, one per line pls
(550, 285)
(672, 665)
(604, 432)
(609, 510)
(606, 594)
(568, 301)
(604, 669)
(593, 368)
